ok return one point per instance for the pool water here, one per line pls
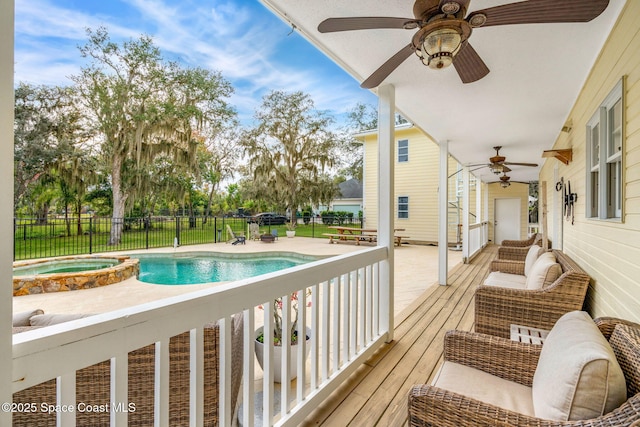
(64, 266)
(195, 269)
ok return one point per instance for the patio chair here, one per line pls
(254, 231)
(535, 238)
(274, 233)
(490, 381)
(509, 297)
(237, 238)
(93, 383)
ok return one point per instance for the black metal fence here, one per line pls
(59, 236)
(38, 238)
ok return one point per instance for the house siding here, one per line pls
(416, 178)
(609, 250)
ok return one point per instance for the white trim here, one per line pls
(605, 184)
(6, 194)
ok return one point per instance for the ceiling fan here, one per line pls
(498, 164)
(443, 32)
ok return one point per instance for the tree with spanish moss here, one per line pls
(145, 107)
(290, 147)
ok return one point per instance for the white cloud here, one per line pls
(233, 37)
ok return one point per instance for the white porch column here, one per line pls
(485, 211)
(465, 214)
(443, 216)
(6, 195)
(479, 213)
(386, 139)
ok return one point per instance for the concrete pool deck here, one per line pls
(416, 269)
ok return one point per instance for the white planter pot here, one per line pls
(277, 357)
(291, 233)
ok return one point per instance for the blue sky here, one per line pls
(250, 46)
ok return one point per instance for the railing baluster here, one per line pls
(248, 360)
(267, 381)
(119, 389)
(326, 301)
(363, 310)
(370, 316)
(224, 371)
(196, 377)
(355, 323)
(66, 398)
(346, 329)
(302, 343)
(161, 395)
(285, 347)
(315, 336)
(337, 285)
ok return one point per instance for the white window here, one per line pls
(403, 150)
(403, 207)
(604, 157)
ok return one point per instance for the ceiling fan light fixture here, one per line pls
(440, 46)
(505, 184)
(496, 168)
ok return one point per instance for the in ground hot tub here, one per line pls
(71, 273)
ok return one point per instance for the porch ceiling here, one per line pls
(537, 71)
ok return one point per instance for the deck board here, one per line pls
(377, 393)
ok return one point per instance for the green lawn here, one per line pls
(38, 241)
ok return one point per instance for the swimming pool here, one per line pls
(206, 267)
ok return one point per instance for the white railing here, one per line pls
(478, 237)
(343, 317)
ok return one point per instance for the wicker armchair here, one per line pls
(92, 384)
(534, 239)
(496, 308)
(515, 361)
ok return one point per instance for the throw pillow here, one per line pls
(532, 256)
(22, 319)
(543, 272)
(578, 376)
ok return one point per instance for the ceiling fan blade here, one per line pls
(506, 169)
(533, 165)
(332, 25)
(387, 68)
(543, 11)
(469, 65)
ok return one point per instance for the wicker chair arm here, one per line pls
(497, 308)
(506, 266)
(432, 406)
(520, 243)
(510, 360)
(513, 253)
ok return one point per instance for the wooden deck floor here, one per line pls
(376, 395)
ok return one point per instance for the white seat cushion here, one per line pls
(578, 376)
(485, 387)
(532, 256)
(505, 280)
(543, 272)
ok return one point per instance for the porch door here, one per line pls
(507, 220)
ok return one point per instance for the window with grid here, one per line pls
(403, 150)
(604, 157)
(403, 207)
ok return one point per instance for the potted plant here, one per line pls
(278, 336)
(291, 227)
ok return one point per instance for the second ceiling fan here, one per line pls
(444, 29)
(498, 164)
